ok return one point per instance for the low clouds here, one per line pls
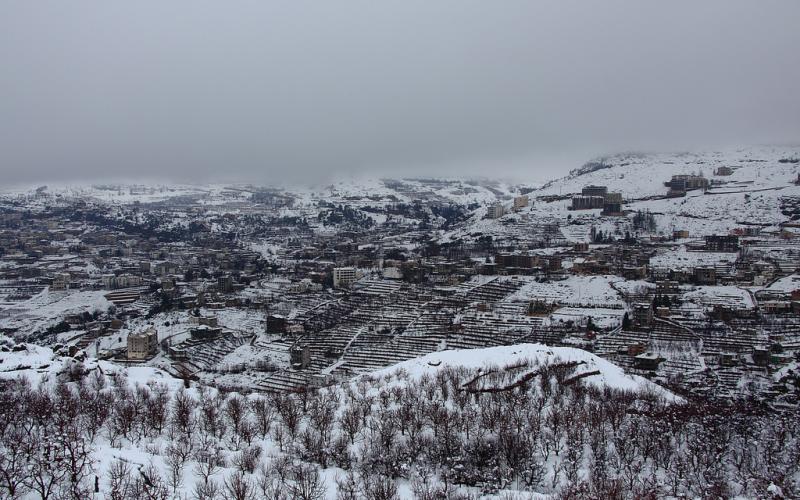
(259, 90)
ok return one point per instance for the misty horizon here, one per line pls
(266, 92)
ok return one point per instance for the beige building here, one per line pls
(143, 345)
(521, 202)
(60, 281)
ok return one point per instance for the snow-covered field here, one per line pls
(578, 289)
(48, 307)
(728, 296)
(682, 259)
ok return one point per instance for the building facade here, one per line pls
(143, 345)
(344, 277)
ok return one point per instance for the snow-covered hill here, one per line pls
(641, 175)
(604, 374)
(760, 191)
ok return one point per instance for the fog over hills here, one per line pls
(259, 91)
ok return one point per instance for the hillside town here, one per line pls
(270, 289)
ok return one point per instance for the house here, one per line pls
(165, 268)
(225, 284)
(300, 357)
(679, 234)
(592, 190)
(667, 287)
(723, 171)
(580, 247)
(276, 323)
(662, 312)
(728, 359)
(647, 361)
(143, 345)
(587, 202)
(60, 281)
(393, 273)
(509, 260)
(776, 306)
(205, 332)
(634, 272)
(344, 277)
(636, 348)
(521, 202)
(642, 314)
(722, 243)
(612, 204)
(705, 275)
(495, 211)
(761, 356)
(321, 380)
(112, 282)
(679, 184)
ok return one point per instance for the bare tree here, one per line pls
(304, 483)
(119, 479)
(378, 487)
(176, 455)
(347, 486)
(271, 478)
(208, 490)
(247, 459)
(13, 461)
(264, 413)
(149, 485)
(235, 410)
(238, 487)
(209, 459)
(181, 417)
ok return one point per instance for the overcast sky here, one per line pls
(193, 90)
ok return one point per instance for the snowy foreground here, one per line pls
(524, 421)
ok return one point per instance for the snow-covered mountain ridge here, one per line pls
(638, 175)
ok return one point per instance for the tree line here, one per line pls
(458, 433)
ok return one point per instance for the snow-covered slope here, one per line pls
(761, 184)
(604, 373)
(641, 175)
(48, 308)
(40, 364)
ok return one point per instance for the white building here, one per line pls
(343, 277)
(112, 282)
(392, 273)
(303, 286)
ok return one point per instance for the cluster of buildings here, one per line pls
(311, 301)
(680, 184)
(497, 210)
(598, 197)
